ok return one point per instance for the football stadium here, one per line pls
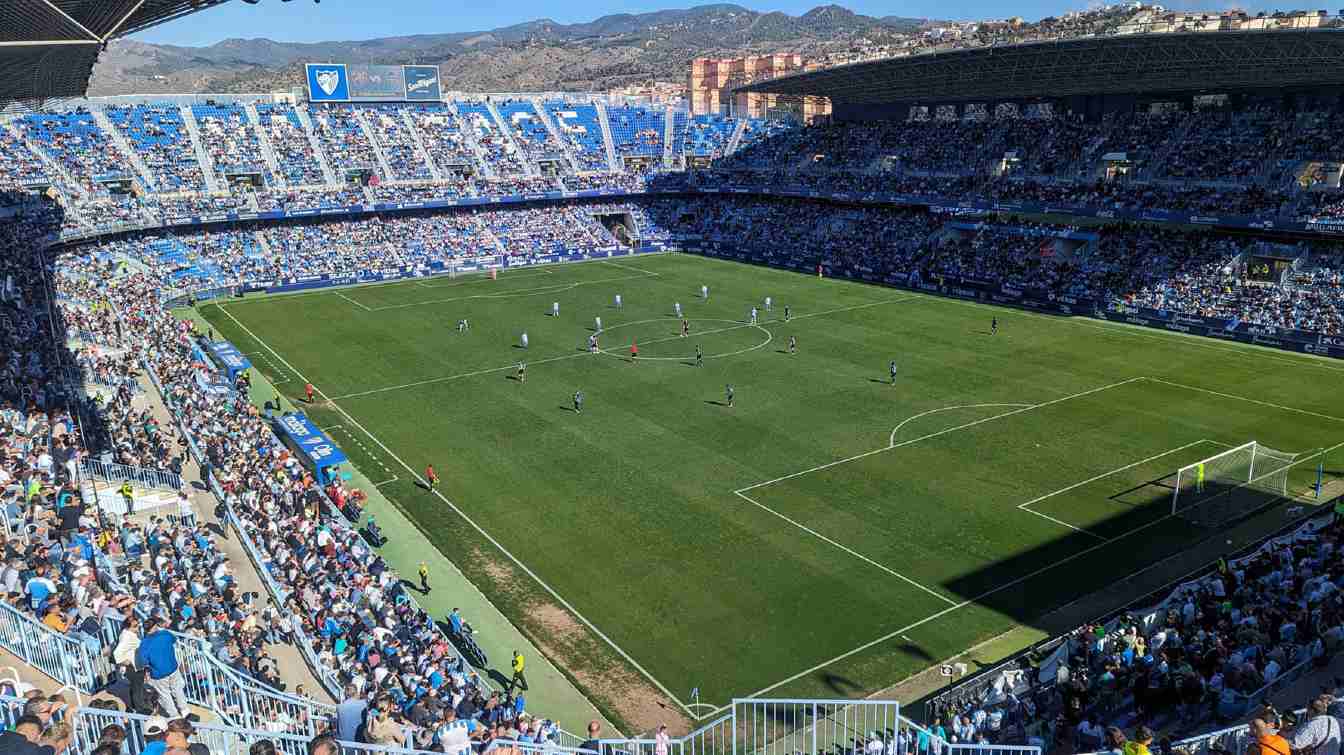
(976, 397)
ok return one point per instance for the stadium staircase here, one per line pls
(212, 182)
(669, 137)
(529, 165)
(483, 162)
(327, 173)
(613, 163)
(119, 141)
(267, 149)
(409, 124)
(251, 199)
(383, 165)
(546, 120)
(735, 141)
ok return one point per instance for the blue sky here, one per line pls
(302, 21)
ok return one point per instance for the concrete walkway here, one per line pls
(293, 668)
(551, 694)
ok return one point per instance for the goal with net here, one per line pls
(1231, 485)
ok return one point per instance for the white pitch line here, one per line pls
(945, 431)
(975, 599)
(1113, 471)
(580, 354)
(892, 441)
(364, 307)
(950, 609)
(477, 278)
(479, 529)
(1247, 399)
(630, 267)
(845, 548)
(1063, 523)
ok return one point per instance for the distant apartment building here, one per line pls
(657, 92)
(709, 89)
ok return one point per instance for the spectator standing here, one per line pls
(1267, 740)
(661, 742)
(158, 653)
(520, 681)
(1321, 733)
(350, 714)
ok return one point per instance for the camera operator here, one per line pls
(1320, 733)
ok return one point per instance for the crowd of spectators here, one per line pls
(404, 684)
(1205, 657)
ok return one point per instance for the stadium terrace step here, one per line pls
(613, 163)
(735, 141)
(304, 120)
(378, 153)
(418, 140)
(669, 137)
(263, 139)
(212, 183)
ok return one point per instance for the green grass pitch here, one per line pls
(830, 532)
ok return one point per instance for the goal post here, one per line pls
(1231, 484)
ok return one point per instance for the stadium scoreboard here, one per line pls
(359, 82)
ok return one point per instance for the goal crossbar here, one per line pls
(1231, 484)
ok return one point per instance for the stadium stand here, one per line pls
(578, 122)
(158, 135)
(637, 130)
(293, 151)
(407, 160)
(533, 138)
(230, 140)
(477, 117)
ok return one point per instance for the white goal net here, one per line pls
(1230, 485)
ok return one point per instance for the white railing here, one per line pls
(113, 472)
(241, 701)
(61, 657)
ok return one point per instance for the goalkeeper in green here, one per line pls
(1199, 477)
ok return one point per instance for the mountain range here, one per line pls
(611, 51)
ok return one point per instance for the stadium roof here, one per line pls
(1136, 64)
(48, 47)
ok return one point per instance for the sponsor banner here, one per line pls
(422, 83)
(230, 357)
(312, 444)
(328, 82)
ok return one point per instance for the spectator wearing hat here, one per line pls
(156, 732)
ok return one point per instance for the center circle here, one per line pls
(732, 325)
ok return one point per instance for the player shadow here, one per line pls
(565, 408)
(712, 402)
(409, 585)
(781, 351)
(879, 381)
(423, 486)
(982, 332)
(512, 377)
(519, 346)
